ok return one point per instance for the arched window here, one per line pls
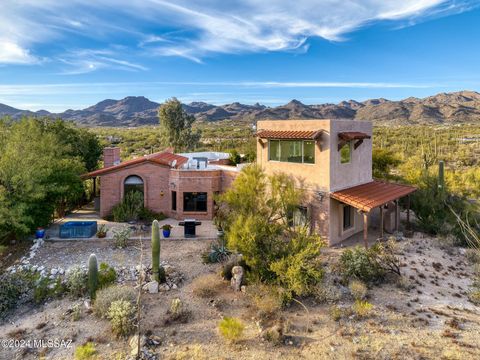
(133, 183)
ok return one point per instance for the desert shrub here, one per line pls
(474, 296)
(206, 285)
(194, 351)
(46, 288)
(76, 280)
(231, 329)
(13, 288)
(218, 252)
(300, 270)
(121, 315)
(473, 256)
(358, 289)
(370, 265)
(357, 263)
(148, 215)
(85, 352)
(404, 283)
(267, 299)
(177, 313)
(362, 308)
(106, 275)
(257, 216)
(130, 207)
(121, 236)
(327, 293)
(3, 249)
(105, 297)
(76, 312)
(336, 312)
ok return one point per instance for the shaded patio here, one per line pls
(376, 196)
(206, 231)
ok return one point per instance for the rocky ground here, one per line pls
(428, 318)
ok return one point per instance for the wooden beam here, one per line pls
(381, 221)
(365, 229)
(357, 144)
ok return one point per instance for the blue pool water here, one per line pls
(78, 229)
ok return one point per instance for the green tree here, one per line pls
(37, 177)
(383, 161)
(255, 214)
(77, 141)
(176, 126)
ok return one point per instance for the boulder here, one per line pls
(151, 287)
(237, 278)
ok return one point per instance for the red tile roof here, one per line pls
(289, 134)
(165, 158)
(368, 196)
(353, 135)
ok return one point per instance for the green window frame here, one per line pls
(292, 151)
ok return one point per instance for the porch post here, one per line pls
(381, 221)
(94, 186)
(408, 212)
(396, 215)
(365, 229)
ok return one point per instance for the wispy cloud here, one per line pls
(199, 28)
(15, 89)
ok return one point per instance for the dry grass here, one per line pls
(206, 286)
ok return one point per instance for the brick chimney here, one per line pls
(111, 156)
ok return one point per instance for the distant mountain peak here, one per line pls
(455, 107)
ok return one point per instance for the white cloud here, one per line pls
(11, 53)
(201, 27)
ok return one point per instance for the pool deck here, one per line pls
(206, 231)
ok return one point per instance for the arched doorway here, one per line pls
(133, 186)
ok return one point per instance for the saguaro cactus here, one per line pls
(156, 251)
(441, 176)
(92, 275)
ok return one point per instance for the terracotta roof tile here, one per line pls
(289, 134)
(368, 196)
(165, 158)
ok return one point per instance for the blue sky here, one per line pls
(57, 54)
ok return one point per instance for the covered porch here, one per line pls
(377, 197)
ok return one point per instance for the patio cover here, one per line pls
(290, 134)
(368, 196)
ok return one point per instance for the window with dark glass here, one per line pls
(298, 216)
(195, 201)
(347, 217)
(174, 200)
(295, 151)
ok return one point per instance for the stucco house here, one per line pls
(179, 185)
(330, 159)
(332, 162)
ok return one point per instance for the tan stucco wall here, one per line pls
(359, 170)
(327, 174)
(310, 176)
(336, 232)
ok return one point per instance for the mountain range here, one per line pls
(443, 108)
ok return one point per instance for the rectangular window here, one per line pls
(174, 200)
(346, 153)
(274, 150)
(195, 201)
(295, 151)
(347, 217)
(309, 152)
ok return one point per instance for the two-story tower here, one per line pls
(332, 161)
